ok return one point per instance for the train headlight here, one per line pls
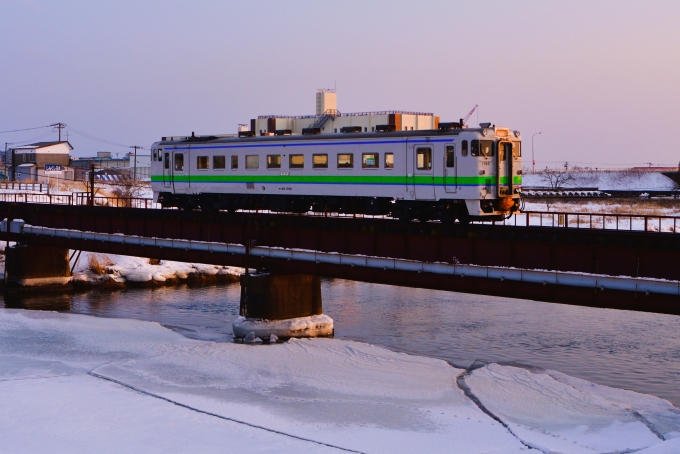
(484, 132)
(482, 172)
(516, 133)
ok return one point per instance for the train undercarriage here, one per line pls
(447, 211)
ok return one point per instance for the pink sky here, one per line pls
(598, 79)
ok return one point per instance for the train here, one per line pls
(451, 173)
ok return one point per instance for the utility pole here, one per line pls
(134, 174)
(4, 158)
(533, 160)
(59, 126)
(91, 195)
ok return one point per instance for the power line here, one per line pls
(25, 129)
(34, 139)
(96, 139)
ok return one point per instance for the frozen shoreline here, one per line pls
(111, 271)
(108, 377)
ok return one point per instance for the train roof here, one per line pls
(319, 137)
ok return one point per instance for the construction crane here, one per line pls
(464, 120)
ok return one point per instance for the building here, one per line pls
(328, 119)
(130, 165)
(40, 161)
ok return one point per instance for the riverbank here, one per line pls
(114, 272)
(80, 383)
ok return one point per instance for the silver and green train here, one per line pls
(446, 174)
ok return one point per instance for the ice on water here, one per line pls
(317, 395)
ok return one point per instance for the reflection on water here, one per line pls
(38, 301)
(631, 350)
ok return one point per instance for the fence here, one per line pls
(630, 222)
(17, 186)
(78, 198)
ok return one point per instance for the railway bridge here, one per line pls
(635, 270)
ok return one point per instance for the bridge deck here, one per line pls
(606, 252)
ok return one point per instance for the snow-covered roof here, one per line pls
(38, 145)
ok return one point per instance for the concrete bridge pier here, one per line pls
(36, 265)
(283, 305)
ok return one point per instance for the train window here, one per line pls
(179, 162)
(516, 149)
(296, 161)
(504, 150)
(345, 161)
(273, 161)
(487, 148)
(167, 160)
(234, 162)
(370, 160)
(474, 147)
(155, 155)
(450, 153)
(464, 148)
(219, 162)
(252, 161)
(389, 160)
(320, 161)
(424, 158)
(202, 162)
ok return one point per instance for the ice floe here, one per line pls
(79, 383)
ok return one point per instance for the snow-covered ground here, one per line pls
(608, 180)
(125, 269)
(73, 383)
(95, 269)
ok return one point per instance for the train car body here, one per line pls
(446, 174)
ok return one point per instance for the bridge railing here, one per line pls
(52, 199)
(83, 198)
(601, 221)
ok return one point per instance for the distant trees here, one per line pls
(128, 189)
(556, 179)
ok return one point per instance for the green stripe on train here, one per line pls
(337, 179)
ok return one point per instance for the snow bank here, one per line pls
(622, 181)
(123, 269)
(78, 383)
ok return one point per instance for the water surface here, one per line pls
(631, 350)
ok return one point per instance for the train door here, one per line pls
(504, 173)
(165, 158)
(450, 169)
(180, 170)
(422, 177)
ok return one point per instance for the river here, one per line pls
(624, 349)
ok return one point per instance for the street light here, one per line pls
(533, 161)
